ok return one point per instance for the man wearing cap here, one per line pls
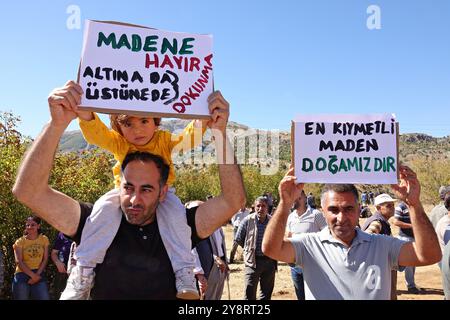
(378, 224)
(403, 221)
(439, 211)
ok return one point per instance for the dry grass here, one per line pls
(427, 278)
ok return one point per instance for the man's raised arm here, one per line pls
(425, 249)
(274, 245)
(31, 187)
(217, 211)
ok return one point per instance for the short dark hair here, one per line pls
(262, 199)
(297, 202)
(447, 202)
(339, 188)
(443, 190)
(145, 157)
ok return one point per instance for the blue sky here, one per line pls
(272, 59)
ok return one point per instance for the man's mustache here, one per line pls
(138, 206)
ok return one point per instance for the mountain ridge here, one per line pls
(411, 144)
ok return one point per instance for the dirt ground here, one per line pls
(427, 278)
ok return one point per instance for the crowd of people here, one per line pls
(138, 241)
(211, 262)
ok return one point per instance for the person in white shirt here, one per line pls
(442, 224)
(236, 221)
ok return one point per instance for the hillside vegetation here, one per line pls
(428, 155)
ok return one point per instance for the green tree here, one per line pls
(193, 183)
(85, 176)
(12, 214)
(432, 174)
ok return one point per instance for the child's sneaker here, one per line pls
(186, 285)
(79, 284)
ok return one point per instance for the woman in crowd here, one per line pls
(31, 255)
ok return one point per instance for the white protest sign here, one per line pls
(139, 70)
(345, 148)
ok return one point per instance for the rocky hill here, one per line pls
(411, 144)
(419, 144)
(74, 140)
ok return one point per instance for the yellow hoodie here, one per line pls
(162, 143)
